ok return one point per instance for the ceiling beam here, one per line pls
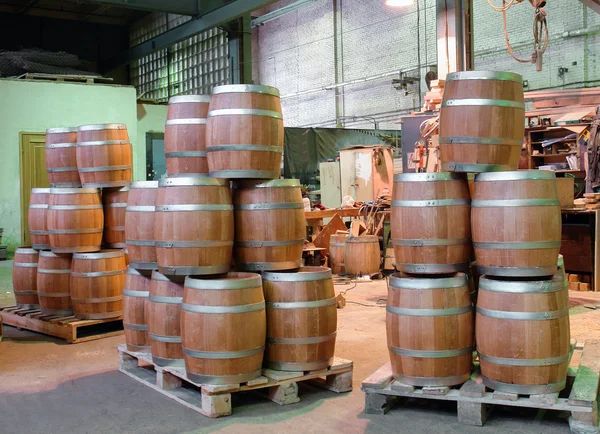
(278, 13)
(592, 4)
(63, 15)
(182, 7)
(218, 17)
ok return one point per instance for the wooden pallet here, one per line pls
(88, 79)
(215, 401)
(71, 329)
(472, 398)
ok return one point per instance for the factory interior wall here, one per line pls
(29, 106)
(151, 119)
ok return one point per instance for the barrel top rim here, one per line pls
(96, 127)
(26, 250)
(430, 282)
(362, 237)
(301, 274)
(60, 130)
(249, 88)
(157, 275)
(143, 184)
(430, 176)
(102, 254)
(232, 280)
(193, 181)
(496, 284)
(180, 99)
(135, 272)
(115, 189)
(40, 190)
(484, 75)
(51, 254)
(516, 175)
(273, 183)
(74, 191)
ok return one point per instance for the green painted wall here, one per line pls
(34, 106)
(151, 119)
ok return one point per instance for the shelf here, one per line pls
(556, 143)
(553, 155)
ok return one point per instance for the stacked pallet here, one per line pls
(433, 98)
(591, 200)
(579, 282)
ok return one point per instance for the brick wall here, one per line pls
(299, 52)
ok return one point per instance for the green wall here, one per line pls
(34, 106)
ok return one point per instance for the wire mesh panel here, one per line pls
(193, 66)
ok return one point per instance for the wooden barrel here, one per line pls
(362, 255)
(54, 283)
(244, 132)
(431, 222)
(104, 155)
(24, 277)
(75, 220)
(337, 248)
(97, 282)
(135, 309)
(61, 157)
(301, 319)
(114, 201)
(37, 218)
(139, 225)
(469, 140)
(164, 319)
(270, 225)
(185, 136)
(223, 328)
(183, 206)
(516, 223)
(418, 306)
(528, 350)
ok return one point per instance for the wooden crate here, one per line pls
(71, 329)
(472, 398)
(215, 401)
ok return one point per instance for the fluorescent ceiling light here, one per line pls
(399, 3)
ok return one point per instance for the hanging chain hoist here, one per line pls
(541, 36)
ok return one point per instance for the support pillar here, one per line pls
(239, 38)
(454, 36)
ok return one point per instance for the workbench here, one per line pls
(579, 246)
(314, 219)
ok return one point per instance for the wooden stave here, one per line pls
(412, 368)
(37, 218)
(240, 300)
(53, 283)
(24, 277)
(114, 204)
(139, 225)
(337, 247)
(358, 249)
(135, 310)
(61, 155)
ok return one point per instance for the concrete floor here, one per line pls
(48, 386)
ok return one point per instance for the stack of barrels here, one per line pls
(215, 281)
(76, 264)
(511, 223)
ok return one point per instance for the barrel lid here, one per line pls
(40, 190)
(484, 75)
(431, 176)
(26, 250)
(74, 191)
(398, 280)
(191, 181)
(134, 272)
(143, 184)
(157, 275)
(304, 274)
(273, 183)
(189, 98)
(115, 189)
(51, 254)
(233, 280)
(517, 175)
(98, 127)
(250, 88)
(102, 254)
(488, 283)
(61, 130)
(362, 239)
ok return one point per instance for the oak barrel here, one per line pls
(418, 306)
(270, 225)
(37, 218)
(337, 248)
(164, 319)
(61, 157)
(54, 283)
(139, 225)
(244, 132)
(114, 202)
(528, 351)
(516, 223)
(482, 121)
(193, 226)
(362, 255)
(104, 155)
(223, 328)
(431, 222)
(185, 135)
(24, 277)
(75, 220)
(97, 282)
(301, 319)
(135, 309)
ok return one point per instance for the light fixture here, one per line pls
(399, 3)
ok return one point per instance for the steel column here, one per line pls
(454, 36)
(239, 39)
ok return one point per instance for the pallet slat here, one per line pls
(585, 387)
